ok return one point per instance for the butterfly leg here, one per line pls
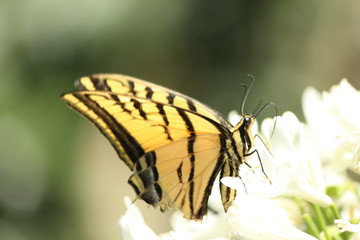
(261, 165)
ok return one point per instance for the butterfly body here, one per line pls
(175, 145)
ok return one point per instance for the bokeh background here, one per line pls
(59, 178)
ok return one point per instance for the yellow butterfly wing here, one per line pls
(175, 145)
(172, 177)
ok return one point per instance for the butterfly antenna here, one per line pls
(275, 120)
(258, 106)
(264, 144)
(276, 113)
(246, 92)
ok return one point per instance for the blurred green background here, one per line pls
(59, 178)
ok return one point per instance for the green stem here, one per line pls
(334, 211)
(321, 221)
(311, 225)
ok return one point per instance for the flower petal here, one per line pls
(132, 225)
(346, 226)
(293, 165)
(256, 217)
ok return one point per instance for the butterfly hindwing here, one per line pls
(179, 176)
(228, 194)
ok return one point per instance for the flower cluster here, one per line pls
(312, 178)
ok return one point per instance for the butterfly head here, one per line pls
(247, 122)
(243, 135)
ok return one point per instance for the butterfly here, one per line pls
(174, 145)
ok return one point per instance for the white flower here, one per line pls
(334, 119)
(345, 226)
(353, 170)
(350, 205)
(234, 117)
(210, 228)
(293, 165)
(214, 226)
(132, 225)
(256, 217)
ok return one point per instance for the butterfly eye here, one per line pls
(248, 121)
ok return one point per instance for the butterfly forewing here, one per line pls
(175, 145)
